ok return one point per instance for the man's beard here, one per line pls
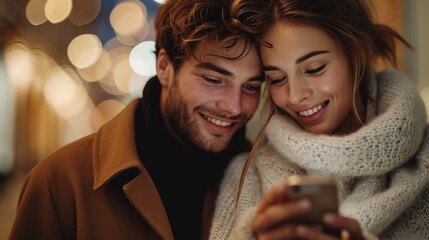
(185, 126)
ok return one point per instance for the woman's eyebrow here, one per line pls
(309, 55)
(299, 60)
(269, 68)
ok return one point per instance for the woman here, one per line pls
(331, 113)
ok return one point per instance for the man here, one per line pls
(152, 171)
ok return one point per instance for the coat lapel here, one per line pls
(114, 152)
(142, 193)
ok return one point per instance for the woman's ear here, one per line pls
(163, 67)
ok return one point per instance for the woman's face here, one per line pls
(309, 77)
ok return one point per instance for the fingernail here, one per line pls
(301, 230)
(345, 235)
(305, 204)
(329, 218)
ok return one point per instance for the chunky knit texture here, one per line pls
(382, 170)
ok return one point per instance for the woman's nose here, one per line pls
(299, 90)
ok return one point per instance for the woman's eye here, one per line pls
(278, 80)
(316, 70)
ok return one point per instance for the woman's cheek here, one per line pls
(279, 97)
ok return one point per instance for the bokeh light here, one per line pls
(143, 60)
(105, 111)
(98, 70)
(19, 63)
(35, 12)
(84, 50)
(128, 18)
(84, 11)
(58, 10)
(60, 89)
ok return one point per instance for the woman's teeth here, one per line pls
(312, 111)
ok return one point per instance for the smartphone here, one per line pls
(322, 192)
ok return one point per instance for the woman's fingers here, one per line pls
(276, 214)
(286, 231)
(275, 195)
(350, 229)
(310, 232)
(292, 231)
(269, 217)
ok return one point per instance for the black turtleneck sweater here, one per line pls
(181, 173)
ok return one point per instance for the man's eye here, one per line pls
(211, 81)
(251, 88)
(316, 70)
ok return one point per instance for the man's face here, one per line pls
(205, 103)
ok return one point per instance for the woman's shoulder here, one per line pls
(394, 77)
(237, 163)
(390, 73)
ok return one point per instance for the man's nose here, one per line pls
(230, 102)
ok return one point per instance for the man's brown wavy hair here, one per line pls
(183, 27)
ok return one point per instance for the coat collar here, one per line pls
(115, 151)
(114, 147)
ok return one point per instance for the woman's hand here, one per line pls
(276, 214)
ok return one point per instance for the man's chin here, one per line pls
(215, 144)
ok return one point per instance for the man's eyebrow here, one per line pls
(215, 68)
(309, 55)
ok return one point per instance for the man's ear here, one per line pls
(163, 67)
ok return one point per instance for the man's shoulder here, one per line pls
(76, 153)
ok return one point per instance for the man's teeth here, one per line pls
(218, 122)
(312, 111)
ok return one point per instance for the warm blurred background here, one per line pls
(67, 66)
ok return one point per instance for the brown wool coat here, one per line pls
(94, 188)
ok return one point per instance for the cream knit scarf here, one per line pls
(381, 169)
